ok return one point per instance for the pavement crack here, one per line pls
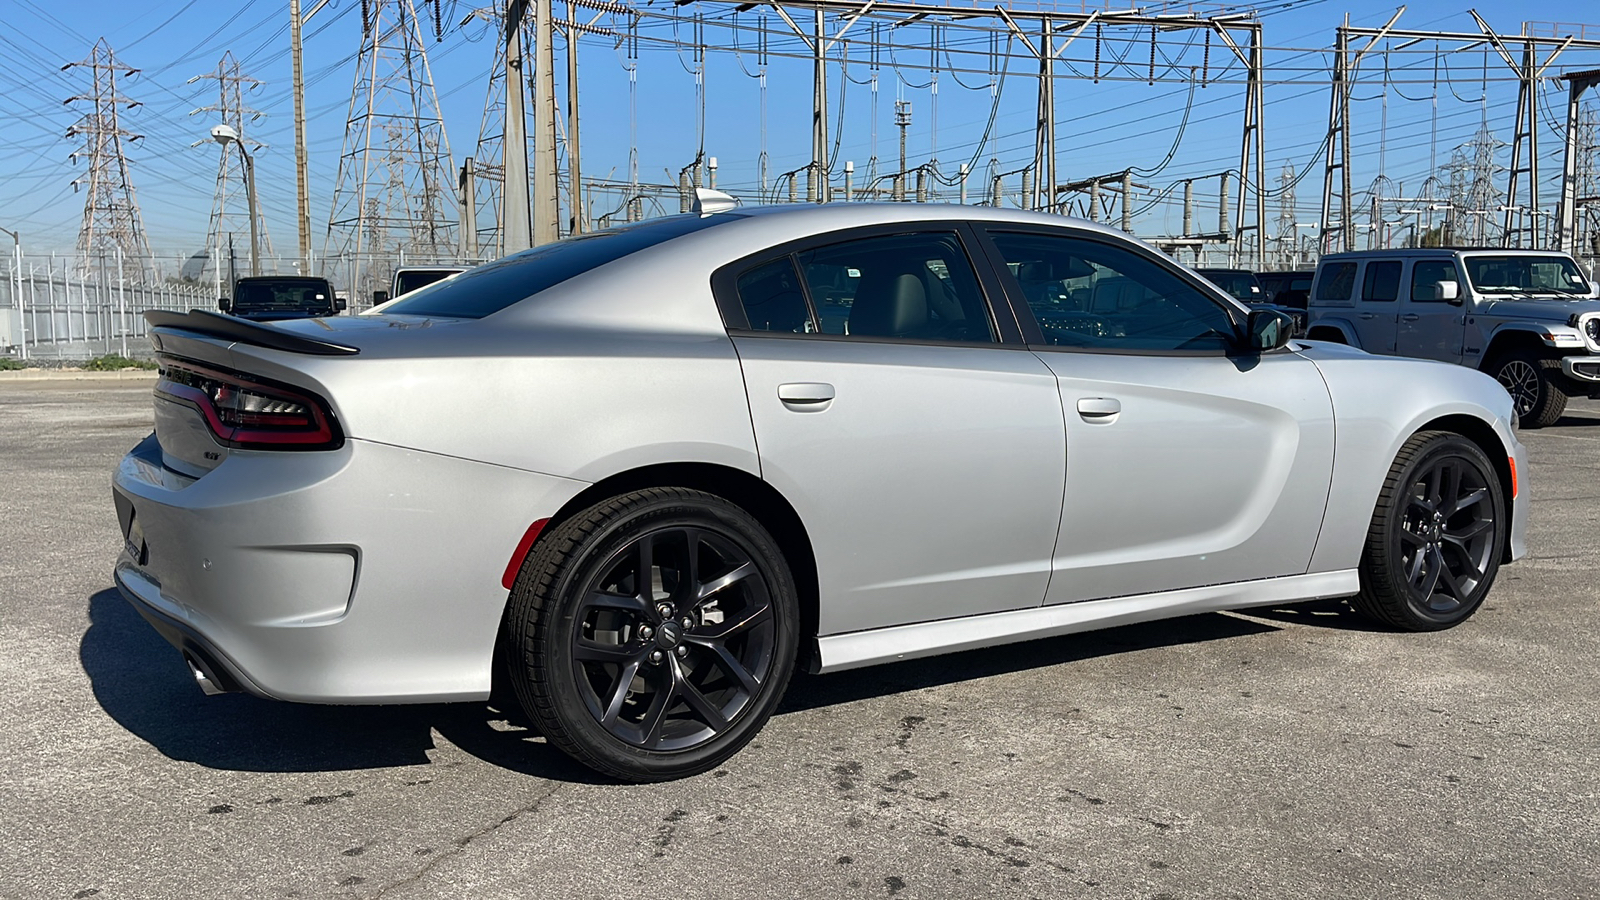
(457, 846)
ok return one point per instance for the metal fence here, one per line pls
(48, 312)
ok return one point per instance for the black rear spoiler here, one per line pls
(233, 328)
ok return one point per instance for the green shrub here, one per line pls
(111, 362)
(10, 365)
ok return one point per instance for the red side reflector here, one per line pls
(521, 553)
(1512, 460)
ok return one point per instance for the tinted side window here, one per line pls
(772, 298)
(1337, 282)
(1382, 282)
(1423, 276)
(1085, 293)
(916, 286)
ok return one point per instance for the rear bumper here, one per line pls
(367, 574)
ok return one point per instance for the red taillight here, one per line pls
(249, 413)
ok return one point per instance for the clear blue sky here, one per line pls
(1103, 127)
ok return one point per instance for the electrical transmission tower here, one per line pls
(229, 208)
(111, 241)
(1287, 235)
(392, 196)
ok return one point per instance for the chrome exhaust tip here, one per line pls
(208, 685)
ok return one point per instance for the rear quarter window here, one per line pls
(1336, 284)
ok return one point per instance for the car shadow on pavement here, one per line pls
(1332, 613)
(145, 686)
(812, 691)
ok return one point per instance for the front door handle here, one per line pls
(805, 396)
(1368, 315)
(1099, 408)
(1410, 317)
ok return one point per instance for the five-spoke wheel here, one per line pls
(1436, 536)
(657, 631)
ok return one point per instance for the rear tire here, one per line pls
(1533, 383)
(654, 633)
(1434, 544)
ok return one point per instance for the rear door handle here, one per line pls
(805, 395)
(1099, 407)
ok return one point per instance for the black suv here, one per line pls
(1243, 285)
(267, 297)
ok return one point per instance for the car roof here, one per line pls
(1403, 252)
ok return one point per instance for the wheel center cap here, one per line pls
(669, 635)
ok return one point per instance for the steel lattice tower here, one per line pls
(391, 199)
(230, 208)
(111, 241)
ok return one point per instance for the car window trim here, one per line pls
(1033, 335)
(724, 283)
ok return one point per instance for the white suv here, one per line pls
(1530, 318)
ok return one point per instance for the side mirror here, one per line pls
(225, 304)
(1268, 329)
(1448, 291)
(339, 304)
(378, 297)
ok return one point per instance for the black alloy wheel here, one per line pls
(1436, 536)
(657, 630)
(1530, 379)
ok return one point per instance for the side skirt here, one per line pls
(864, 648)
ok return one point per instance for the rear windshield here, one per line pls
(1241, 285)
(282, 296)
(494, 286)
(1525, 274)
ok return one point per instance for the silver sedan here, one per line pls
(629, 481)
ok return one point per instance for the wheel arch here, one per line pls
(1510, 338)
(1342, 333)
(748, 492)
(1483, 434)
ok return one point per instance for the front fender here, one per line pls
(1374, 420)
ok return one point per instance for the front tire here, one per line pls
(1434, 544)
(653, 633)
(1531, 380)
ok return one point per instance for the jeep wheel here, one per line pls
(1531, 382)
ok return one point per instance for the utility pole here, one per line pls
(819, 112)
(516, 204)
(546, 205)
(467, 189)
(902, 120)
(302, 182)
(1044, 154)
(111, 221)
(574, 169)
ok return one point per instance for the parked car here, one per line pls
(1243, 285)
(411, 278)
(1291, 289)
(266, 298)
(639, 475)
(1530, 318)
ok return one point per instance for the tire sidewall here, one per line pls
(556, 682)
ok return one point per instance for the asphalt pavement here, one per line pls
(1293, 752)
